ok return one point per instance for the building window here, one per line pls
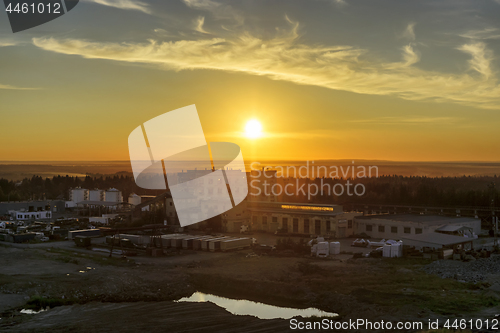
(381, 228)
(306, 226)
(349, 224)
(418, 230)
(284, 223)
(407, 230)
(394, 230)
(264, 220)
(368, 227)
(317, 227)
(296, 225)
(275, 219)
(328, 226)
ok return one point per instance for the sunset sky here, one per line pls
(385, 80)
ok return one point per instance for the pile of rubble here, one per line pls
(471, 271)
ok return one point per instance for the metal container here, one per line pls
(235, 244)
(205, 244)
(88, 233)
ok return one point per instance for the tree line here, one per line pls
(394, 189)
(57, 187)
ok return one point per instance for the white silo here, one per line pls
(134, 199)
(96, 195)
(78, 194)
(113, 195)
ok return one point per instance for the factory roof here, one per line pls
(452, 228)
(438, 238)
(99, 203)
(416, 218)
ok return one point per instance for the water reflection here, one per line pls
(29, 311)
(259, 310)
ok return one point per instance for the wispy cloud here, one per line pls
(336, 67)
(481, 58)
(409, 32)
(216, 9)
(487, 33)
(200, 21)
(408, 120)
(9, 87)
(125, 4)
(339, 2)
(8, 42)
(207, 5)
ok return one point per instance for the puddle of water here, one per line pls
(259, 310)
(29, 311)
(88, 269)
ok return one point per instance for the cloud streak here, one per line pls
(487, 33)
(9, 87)
(408, 120)
(6, 42)
(125, 4)
(335, 67)
(217, 10)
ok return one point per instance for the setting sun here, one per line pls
(253, 129)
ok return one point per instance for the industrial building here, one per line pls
(54, 206)
(264, 210)
(437, 241)
(301, 218)
(296, 218)
(31, 216)
(96, 197)
(104, 219)
(404, 225)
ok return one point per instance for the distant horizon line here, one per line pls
(263, 160)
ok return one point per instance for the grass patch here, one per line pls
(67, 259)
(398, 282)
(306, 268)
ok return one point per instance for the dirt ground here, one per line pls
(87, 291)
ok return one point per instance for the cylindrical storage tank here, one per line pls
(134, 199)
(113, 195)
(96, 195)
